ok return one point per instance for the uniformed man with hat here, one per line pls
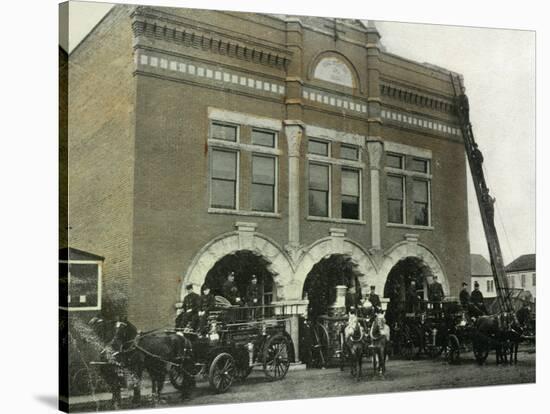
(464, 296)
(188, 318)
(230, 291)
(374, 299)
(477, 302)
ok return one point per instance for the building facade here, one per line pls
(522, 273)
(194, 135)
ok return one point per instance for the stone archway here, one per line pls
(323, 248)
(245, 238)
(411, 248)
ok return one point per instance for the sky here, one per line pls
(498, 66)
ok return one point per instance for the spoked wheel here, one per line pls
(222, 372)
(276, 357)
(453, 349)
(320, 345)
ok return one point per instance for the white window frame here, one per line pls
(237, 178)
(329, 196)
(276, 181)
(99, 285)
(359, 172)
(404, 190)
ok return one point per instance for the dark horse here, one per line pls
(493, 332)
(354, 341)
(110, 371)
(379, 336)
(153, 351)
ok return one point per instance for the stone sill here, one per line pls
(409, 226)
(336, 220)
(243, 213)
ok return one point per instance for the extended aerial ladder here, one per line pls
(484, 199)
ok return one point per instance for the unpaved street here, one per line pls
(313, 383)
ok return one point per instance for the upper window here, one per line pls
(263, 138)
(223, 131)
(350, 194)
(522, 281)
(490, 286)
(420, 165)
(223, 179)
(334, 70)
(318, 147)
(394, 161)
(263, 183)
(396, 199)
(319, 176)
(534, 280)
(349, 152)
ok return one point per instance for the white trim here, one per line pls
(409, 173)
(215, 210)
(336, 161)
(237, 178)
(336, 220)
(403, 149)
(360, 184)
(216, 114)
(276, 180)
(409, 226)
(314, 131)
(220, 143)
(329, 196)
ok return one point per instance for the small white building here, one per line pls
(521, 273)
(481, 272)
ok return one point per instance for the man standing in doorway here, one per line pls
(230, 291)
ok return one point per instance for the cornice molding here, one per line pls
(415, 97)
(153, 24)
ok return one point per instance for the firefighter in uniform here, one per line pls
(464, 296)
(477, 307)
(253, 296)
(374, 300)
(188, 318)
(230, 291)
(436, 294)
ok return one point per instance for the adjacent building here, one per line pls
(521, 273)
(196, 135)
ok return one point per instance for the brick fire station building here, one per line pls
(193, 135)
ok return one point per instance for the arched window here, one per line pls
(334, 70)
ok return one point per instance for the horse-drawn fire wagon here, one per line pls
(237, 341)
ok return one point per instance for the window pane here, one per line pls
(350, 207)
(419, 165)
(263, 170)
(420, 214)
(350, 182)
(266, 139)
(318, 177)
(223, 194)
(263, 197)
(395, 187)
(394, 161)
(83, 287)
(420, 191)
(317, 147)
(224, 164)
(395, 211)
(318, 203)
(225, 132)
(349, 152)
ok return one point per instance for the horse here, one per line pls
(493, 332)
(379, 336)
(151, 351)
(354, 340)
(106, 331)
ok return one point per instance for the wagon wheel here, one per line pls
(180, 378)
(222, 372)
(320, 345)
(276, 357)
(453, 349)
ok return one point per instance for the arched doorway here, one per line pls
(243, 264)
(407, 279)
(324, 276)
